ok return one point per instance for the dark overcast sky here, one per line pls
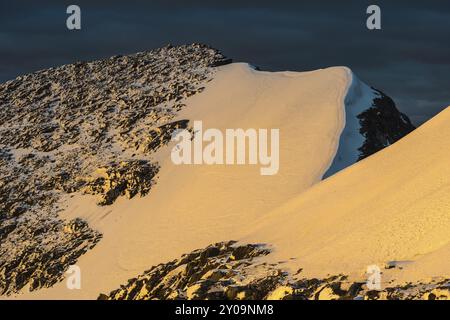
(409, 58)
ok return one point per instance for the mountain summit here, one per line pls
(87, 178)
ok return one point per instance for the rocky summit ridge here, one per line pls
(87, 127)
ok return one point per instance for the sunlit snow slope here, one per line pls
(193, 206)
(393, 206)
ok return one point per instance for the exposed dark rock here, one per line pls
(231, 271)
(382, 125)
(210, 273)
(162, 135)
(42, 263)
(221, 62)
(125, 179)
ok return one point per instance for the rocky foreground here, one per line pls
(232, 271)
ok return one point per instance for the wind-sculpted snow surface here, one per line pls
(390, 207)
(88, 127)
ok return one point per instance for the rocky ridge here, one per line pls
(87, 127)
(382, 125)
(234, 271)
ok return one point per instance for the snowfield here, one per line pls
(393, 206)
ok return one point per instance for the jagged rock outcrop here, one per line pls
(85, 127)
(382, 125)
(233, 271)
(125, 179)
(51, 247)
(210, 273)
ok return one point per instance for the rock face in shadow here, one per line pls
(87, 127)
(382, 125)
(233, 271)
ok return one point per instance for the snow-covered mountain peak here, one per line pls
(87, 176)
